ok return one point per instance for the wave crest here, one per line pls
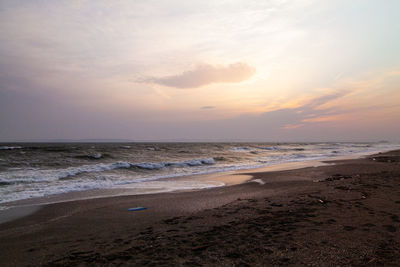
(10, 147)
(32, 176)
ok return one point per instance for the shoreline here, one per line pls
(21, 208)
(343, 214)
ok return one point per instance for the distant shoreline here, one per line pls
(122, 141)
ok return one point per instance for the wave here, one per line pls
(298, 156)
(91, 156)
(73, 171)
(269, 148)
(240, 149)
(280, 148)
(17, 183)
(188, 163)
(32, 176)
(10, 147)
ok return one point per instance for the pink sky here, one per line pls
(204, 70)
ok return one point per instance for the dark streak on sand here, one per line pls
(347, 214)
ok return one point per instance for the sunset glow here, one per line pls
(200, 70)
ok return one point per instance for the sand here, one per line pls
(343, 214)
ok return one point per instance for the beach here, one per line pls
(347, 213)
(199, 133)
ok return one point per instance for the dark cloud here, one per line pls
(207, 74)
(208, 107)
(318, 101)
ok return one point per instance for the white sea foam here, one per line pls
(96, 156)
(149, 165)
(139, 187)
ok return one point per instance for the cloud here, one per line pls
(206, 74)
(324, 99)
(292, 126)
(311, 112)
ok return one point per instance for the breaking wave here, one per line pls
(32, 176)
(10, 147)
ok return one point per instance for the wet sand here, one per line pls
(343, 214)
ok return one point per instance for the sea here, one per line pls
(32, 170)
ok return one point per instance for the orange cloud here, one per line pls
(292, 126)
(323, 119)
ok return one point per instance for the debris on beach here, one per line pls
(259, 181)
(337, 177)
(137, 209)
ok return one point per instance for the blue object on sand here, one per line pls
(137, 209)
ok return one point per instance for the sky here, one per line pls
(267, 70)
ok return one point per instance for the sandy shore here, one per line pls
(343, 214)
(23, 207)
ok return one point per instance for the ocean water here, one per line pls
(37, 170)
